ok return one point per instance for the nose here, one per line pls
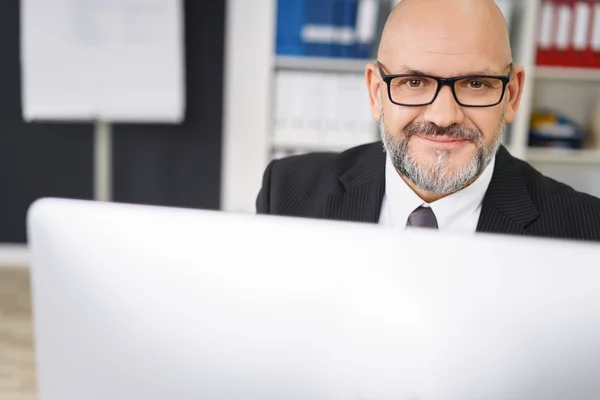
(444, 111)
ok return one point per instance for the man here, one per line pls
(442, 89)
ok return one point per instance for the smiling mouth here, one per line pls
(442, 139)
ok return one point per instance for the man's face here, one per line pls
(438, 159)
(443, 146)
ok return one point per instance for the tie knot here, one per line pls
(422, 217)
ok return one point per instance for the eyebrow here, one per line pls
(411, 71)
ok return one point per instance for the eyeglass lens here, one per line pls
(479, 91)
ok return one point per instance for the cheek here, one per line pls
(397, 117)
(487, 121)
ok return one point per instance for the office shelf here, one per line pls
(321, 64)
(316, 145)
(251, 100)
(566, 156)
(568, 74)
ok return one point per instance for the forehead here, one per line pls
(443, 50)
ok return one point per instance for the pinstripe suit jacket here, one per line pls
(350, 186)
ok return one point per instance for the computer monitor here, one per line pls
(141, 302)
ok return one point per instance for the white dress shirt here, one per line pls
(455, 213)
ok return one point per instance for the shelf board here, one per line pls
(315, 146)
(568, 74)
(321, 64)
(564, 156)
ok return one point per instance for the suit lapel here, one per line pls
(507, 206)
(362, 189)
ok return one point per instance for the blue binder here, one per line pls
(346, 13)
(314, 27)
(318, 14)
(290, 18)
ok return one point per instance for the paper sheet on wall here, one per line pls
(114, 60)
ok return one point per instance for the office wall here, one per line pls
(181, 165)
(159, 165)
(36, 160)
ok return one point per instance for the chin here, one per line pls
(446, 166)
(445, 160)
(460, 154)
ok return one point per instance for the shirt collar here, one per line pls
(450, 211)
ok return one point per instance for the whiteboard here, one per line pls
(111, 60)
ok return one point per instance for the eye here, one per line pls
(411, 83)
(477, 84)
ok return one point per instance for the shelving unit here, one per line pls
(319, 147)
(566, 156)
(567, 74)
(573, 92)
(249, 103)
(318, 64)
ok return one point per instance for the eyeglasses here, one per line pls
(416, 90)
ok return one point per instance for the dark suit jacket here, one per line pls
(350, 186)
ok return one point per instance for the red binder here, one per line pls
(569, 34)
(564, 28)
(593, 53)
(578, 33)
(547, 33)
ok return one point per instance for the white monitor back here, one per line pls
(137, 302)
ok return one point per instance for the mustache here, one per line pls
(454, 131)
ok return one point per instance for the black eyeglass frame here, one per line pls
(445, 82)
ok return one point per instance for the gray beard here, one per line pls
(439, 178)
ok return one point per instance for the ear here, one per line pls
(514, 90)
(374, 86)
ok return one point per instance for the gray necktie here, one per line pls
(422, 217)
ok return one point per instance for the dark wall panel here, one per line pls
(36, 160)
(179, 165)
(153, 164)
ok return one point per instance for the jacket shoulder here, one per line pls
(544, 187)
(571, 212)
(300, 184)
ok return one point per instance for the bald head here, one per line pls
(440, 137)
(449, 32)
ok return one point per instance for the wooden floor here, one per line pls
(17, 360)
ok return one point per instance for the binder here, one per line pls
(290, 16)
(281, 121)
(586, 35)
(563, 34)
(319, 32)
(569, 34)
(546, 33)
(327, 28)
(297, 93)
(312, 103)
(345, 20)
(594, 53)
(582, 24)
(321, 110)
(367, 18)
(332, 126)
